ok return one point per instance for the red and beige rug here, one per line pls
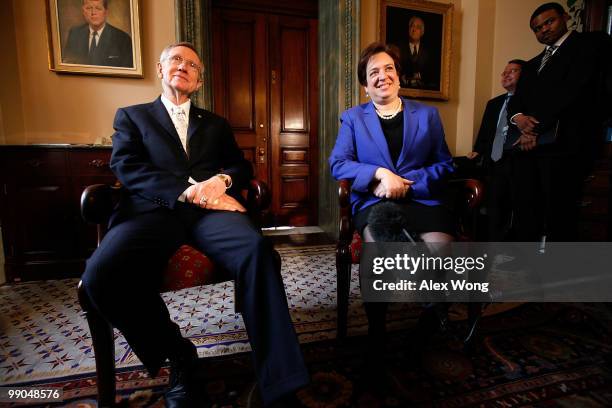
(533, 353)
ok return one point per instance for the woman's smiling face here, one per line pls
(382, 79)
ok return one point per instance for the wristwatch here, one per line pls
(226, 179)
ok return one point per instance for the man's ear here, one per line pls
(566, 17)
(159, 70)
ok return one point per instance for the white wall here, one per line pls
(513, 37)
(60, 108)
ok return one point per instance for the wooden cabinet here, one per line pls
(595, 220)
(43, 234)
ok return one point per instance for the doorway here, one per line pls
(265, 82)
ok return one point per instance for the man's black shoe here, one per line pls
(180, 392)
(433, 320)
(287, 401)
(182, 388)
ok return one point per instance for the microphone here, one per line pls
(388, 221)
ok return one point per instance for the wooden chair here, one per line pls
(464, 195)
(187, 268)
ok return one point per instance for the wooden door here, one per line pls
(265, 84)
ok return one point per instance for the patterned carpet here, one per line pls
(43, 334)
(536, 355)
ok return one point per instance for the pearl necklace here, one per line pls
(392, 114)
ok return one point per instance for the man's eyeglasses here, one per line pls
(511, 71)
(177, 60)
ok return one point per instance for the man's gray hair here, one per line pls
(166, 51)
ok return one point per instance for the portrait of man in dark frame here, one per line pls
(418, 36)
(96, 32)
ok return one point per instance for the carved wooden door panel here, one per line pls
(265, 84)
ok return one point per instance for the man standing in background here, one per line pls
(497, 163)
(557, 108)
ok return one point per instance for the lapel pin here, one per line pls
(199, 116)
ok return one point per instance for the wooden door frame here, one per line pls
(338, 88)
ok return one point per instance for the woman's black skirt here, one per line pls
(418, 218)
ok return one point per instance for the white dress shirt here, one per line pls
(180, 129)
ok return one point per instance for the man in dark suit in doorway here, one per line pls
(556, 109)
(183, 172)
(489, 147)
(97, 42)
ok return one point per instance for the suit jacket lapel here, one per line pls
(559, 53)
(104, 39)
(373, 125)
(160, 114)
(84, 42)
(411, 126)
(196, 121)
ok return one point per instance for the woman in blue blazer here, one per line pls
(393, 151)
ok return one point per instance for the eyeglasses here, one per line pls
(177, 60)
(511, 71)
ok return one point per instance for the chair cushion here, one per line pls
(188, 267)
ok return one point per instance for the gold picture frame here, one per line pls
(117, 50)
(421, 30)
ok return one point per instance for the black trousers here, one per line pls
(499, 197)
(547, 188)
(123, 278)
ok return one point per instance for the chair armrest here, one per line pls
(470, 192)
(467, 197)
(98, 202)
(258, 196)
(345, 225)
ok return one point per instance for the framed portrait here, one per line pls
(421, 31)
(94, 37)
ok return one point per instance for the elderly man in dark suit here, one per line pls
(489, 147)
(183, 172)
(97, 42)
(419, 65)
(557, 110)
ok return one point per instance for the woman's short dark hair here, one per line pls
(373, 49)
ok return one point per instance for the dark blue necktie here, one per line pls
(93, 45)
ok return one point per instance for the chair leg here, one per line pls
(103, 348)
(474, 315)
(343, 276)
